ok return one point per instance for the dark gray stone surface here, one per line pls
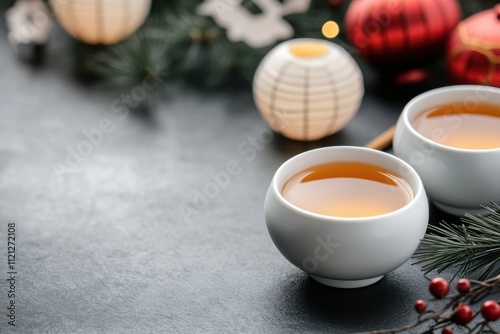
(105, 248)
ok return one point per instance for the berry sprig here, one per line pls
(458, 310)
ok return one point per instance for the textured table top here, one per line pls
(104, 247)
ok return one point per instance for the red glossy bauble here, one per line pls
(395, 34)
(473, 50)
(335, 3)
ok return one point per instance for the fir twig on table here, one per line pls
(472, 247)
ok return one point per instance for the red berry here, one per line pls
(447, 330)
(439, 287)
(462, 315)
(463, 285)
(490, 310)
(420, 306)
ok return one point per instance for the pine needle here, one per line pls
(131, 61)
(471, 248)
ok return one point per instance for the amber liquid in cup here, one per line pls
(456, 125)
(348, 189)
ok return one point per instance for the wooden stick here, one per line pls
(383, 140)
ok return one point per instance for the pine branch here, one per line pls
(199, 51)
(6, 4)
(131, 62)
(471, 7)
(471, 248)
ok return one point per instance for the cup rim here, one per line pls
(437, 91)
(337, 219)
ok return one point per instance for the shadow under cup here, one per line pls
(345, 252)
(457, 180)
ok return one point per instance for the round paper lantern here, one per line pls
(473, 51)
(307, 89)
(101, 21)
(400, 34)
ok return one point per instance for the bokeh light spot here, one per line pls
(330, 29)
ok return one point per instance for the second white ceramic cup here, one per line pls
(457, 180)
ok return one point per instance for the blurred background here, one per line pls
(218, 43)
(119, 117)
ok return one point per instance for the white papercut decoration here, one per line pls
(257, 30)
(28, 22)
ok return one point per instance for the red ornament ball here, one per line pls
(447, 330)
(401, 33)
(335, 3)
(473, 50)
(439, 287)
(463, 285)
(462, 315)
(490, 310)
(420, 306)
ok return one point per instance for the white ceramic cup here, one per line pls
(345, 252)
(457, 180)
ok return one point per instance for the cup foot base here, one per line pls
(460, 211)
(346, 284)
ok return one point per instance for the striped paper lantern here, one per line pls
(307, 89)
(101, 21)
